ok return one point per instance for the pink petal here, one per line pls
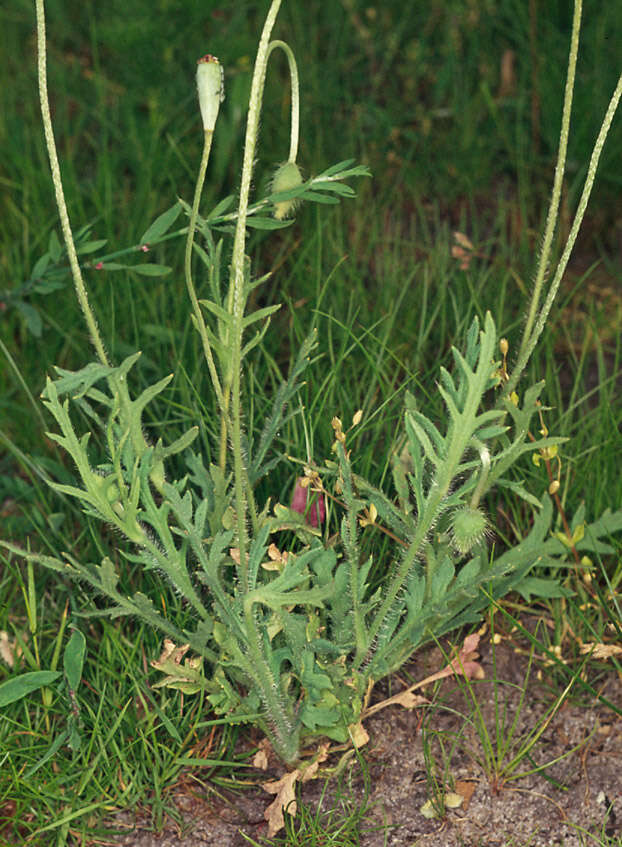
(317, 510)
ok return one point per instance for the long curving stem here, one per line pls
(238, 286)
(76, 273)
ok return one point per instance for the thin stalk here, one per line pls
(118, 385)
(238, 287)
(76, 273)
(221, 395)
(222, 459)
(196, 309)
(360, 634)
(525, 355)
(424, 526)
(551, 221)
(295, 88)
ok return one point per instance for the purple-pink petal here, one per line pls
(316, 512)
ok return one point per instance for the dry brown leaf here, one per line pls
(186, 676)
(453, 800)
(358, 734)
(260, 759)
(276, 555)
(428, 811)
(409, 700)
(465, 790)
(172, 653)
(405, 698)
(321, 756)
(601, 651)
(450, 800)
(285, 800)
(465, 663)
(8, 649)
(277, 561)
(463, 241)
(310, 772)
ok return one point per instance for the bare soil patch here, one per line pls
(584, 789)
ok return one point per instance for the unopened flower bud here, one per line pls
(210, 83)
(306, 503)
(287, 176)
(469, 527)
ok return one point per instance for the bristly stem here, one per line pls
(58, 188)
(282, 727)
(551, 220)
(118, 384)
(528, 349)
(238, 283)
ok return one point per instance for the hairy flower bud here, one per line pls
(468, 528)
(287, 176)
(210, 83)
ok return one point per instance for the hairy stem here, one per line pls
(525, 355)
(76, 273)
(458, 439)
(238, 286)
(281, 728)
(551, 221)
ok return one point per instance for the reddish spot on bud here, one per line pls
(207, 58)
(145, 248)
(99, 266)
(308, 503)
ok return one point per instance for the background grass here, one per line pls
(454, 141)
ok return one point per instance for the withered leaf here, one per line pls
(285, 800)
